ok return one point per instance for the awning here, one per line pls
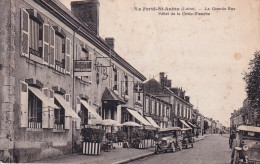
(139, 117)
(191, 124)
(43, 97)
(152, 122)
(91, 110)
(68, 110)
(110, 95)
(182, 121)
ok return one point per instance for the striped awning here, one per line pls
(184, 123)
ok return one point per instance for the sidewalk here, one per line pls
(118, 155)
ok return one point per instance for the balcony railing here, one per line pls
(82, 65)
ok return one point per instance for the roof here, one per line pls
(62, 13)
(110, 95)
(249, 128)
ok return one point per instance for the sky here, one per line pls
(205, 55)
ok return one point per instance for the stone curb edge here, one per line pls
(134, 158)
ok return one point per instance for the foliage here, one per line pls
(121, 136)
(111, 137)
(92, 135)
(142, 134)
(252, 79)
(206, 125)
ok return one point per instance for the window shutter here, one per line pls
(67, 56)
(67, 116)
(90, 54)
(25, 33)
(79, 49)
(46, 40)
(118, 82)
(24, 104)
(52, 47)
(52, 119)
(78, 106)
(45, 110)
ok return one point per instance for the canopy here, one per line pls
(43, 97)
(130, 123)
(109, 122)
(152, 122)
(68, 110)
(91, 110)
(191, 124)
(139, 117)
(249, 128)
(182, 121)
(110, 95)
(170, 129)
(185, 129)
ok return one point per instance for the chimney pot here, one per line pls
(111, 42)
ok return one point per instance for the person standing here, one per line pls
(231, 138)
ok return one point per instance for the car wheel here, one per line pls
(173, 147)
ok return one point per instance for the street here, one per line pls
(213, 149)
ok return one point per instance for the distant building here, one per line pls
(181, 108)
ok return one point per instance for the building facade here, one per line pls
(58, 76)
(157, 109)
(181, 108)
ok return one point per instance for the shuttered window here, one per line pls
(59, 116)
(35, 111)
(59, 53)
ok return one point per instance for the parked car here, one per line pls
(168, 139)
(188, 138)
(246, 145)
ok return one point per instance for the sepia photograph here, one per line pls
(130, 81)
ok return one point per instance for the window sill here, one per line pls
(58, 130)
(34, 130)
(85, 82)
(58, 72)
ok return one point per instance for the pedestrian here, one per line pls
(197, 134)
(231, 138)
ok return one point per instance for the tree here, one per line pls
(252, 79)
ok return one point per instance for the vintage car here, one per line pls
(246, 145)
(168, 139)
(188, 138)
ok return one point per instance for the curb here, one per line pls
(134, 158)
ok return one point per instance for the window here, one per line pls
(115, 80)
(34, 111)
(84, 117)
(138, 96)
(147, 105)
(161, 110)
(158, 108)
(59, 116)
(178, 110)
(126, 85)
(59, 51)
(153, 107)
(34, 32)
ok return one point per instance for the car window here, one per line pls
(251, 135)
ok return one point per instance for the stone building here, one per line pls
(181, 108)
(57, 75)
(157, 110)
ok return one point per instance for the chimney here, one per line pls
(162, 78)
(169, 83)
(110, 41)
(88, 12)
(187, 98)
